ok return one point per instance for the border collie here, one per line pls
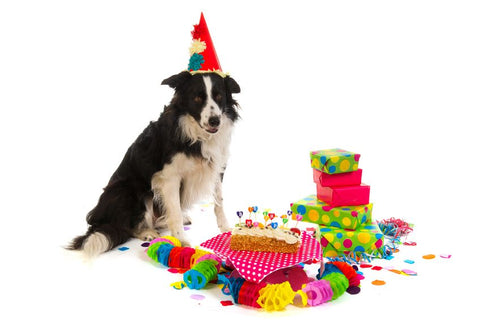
(176, 161)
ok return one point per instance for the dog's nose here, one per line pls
(214, 121)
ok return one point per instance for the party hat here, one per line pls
(203, 57)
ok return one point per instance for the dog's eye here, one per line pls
(218, 97)
(198, 99)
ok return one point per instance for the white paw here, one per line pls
(148, 235)
(224, 228)
(180, 235)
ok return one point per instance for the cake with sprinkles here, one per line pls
(264, 239)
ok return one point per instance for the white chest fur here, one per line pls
(188, 179)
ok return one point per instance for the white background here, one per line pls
(396, 81)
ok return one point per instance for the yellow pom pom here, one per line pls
(174, 240)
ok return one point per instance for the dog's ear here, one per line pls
(177, 80)
(232, 85)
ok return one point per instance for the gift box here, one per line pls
(317, 211)
(353, 178)
(334, 161)
(344, 196)
(368, 239)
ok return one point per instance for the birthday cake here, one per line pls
(264, 239)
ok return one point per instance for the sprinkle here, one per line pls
(146, 244)
(377, 268)
(409, 261)
(445, 256)
(178, 285)
(410, 243)
(395, 271)
(364, 265)
(378, 282)
(353, 290)
(197, 296)
(226, 303)
(123, 248)
(409, 272)
(186, 228)
(428, 256)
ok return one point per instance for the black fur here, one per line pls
(121, 207)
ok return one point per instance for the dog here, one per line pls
(176, 161)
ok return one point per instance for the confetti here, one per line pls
(445, 256)
(410, 243)
(377, 268)
(353, 290)
(428, 256)
(226, 303)
(186, 228)
(197, 296)
(409, 272)
(409, 261)
(178, 285)
(364, 265)
(395, 271)
(172, 270)
(123, 248)
(378, 282)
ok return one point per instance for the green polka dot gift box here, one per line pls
(333, 161)
(335, 242)
(319, 212)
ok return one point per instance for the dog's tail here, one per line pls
(99, 239)
(113, 220)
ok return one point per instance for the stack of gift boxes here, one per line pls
(341, 207)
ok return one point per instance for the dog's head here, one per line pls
(205, 98)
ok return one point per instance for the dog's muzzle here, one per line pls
(213, 124)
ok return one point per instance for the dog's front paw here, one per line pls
(180, 235)
(224, 228)
(148, 235)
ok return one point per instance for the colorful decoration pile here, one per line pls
(274, 293)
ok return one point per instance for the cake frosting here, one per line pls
(277, 234)
(264, 239)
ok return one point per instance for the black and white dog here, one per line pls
(177, 159)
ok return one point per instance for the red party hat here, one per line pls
(203, 56)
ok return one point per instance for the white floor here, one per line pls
(44, 280)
